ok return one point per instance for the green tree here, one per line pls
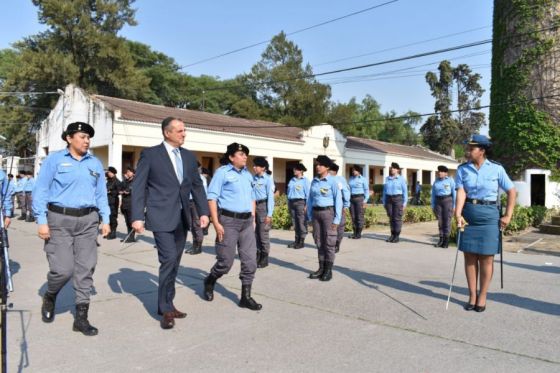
(284, 86)
(444, 130)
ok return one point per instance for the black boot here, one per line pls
(131, 238)
(209, 283)
(440, 242)
(353, 236)
(22, 217)
(29, 218)
(47, 309)
(390, 239)
(300, 244)
(337, 247)
(263, 260)
(445, 243)
(396, 238)
(196, 248)
(327, 273)
(318, 273)
(81, 323)
(112, 235)
(293, 244)
(358, 233)
(246, 301)
(258, 257)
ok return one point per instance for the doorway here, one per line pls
(538, 190)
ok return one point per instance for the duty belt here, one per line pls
(70, 211)
(356, 195)
(296, 199)
(236, 215)
(444, 197)
(322, 208)
(261, 201)
(480, 201)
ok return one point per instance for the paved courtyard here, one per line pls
(384, 311)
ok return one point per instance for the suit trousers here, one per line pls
(170, 247)
(72, 253)
(237, 233)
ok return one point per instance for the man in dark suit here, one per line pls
(165, 176)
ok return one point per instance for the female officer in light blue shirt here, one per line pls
(69, 196)
(298, 192)
(477, 182)
(395, 195)
(359, 194)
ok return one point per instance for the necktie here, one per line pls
(178, 165)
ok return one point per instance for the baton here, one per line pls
(454, 266)
(501, 259)
(126, 238)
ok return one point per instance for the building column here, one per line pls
(432, 177)
(365, 174)
(419, 176)
(308, 163)
(115, 157)
(404, 173)
(385, 173)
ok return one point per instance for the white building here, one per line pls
(123, 128)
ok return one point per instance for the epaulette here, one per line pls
(498, 163)
(463, 164)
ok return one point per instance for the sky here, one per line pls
(190, 31)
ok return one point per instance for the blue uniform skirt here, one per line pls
(481, 235)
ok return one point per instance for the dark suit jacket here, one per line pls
(157, 195)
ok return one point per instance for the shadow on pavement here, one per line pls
(540, 268)
(508, 298)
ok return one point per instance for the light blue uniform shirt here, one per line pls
(18, 185)
(64, 181)
(359, 185)
(483, 183)
(298, 188)
(345, 190)
(324, 192)
(263, 187)
(232, 189)
(395, 186)
(29, 184)
(21, 184)
(7, 191)
(443, 187)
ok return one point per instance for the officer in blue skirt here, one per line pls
(478, 182)
(324, 209)
(395, 196)
(443, 203)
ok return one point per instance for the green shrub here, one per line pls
(281, 218)
(417, 214)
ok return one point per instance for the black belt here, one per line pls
(297, 199)
(356, 195)
(322, 208)
(261, 201)
(480, 201)
(236, 215)
(71, 211)
(27, 192)
(394, 195)
(444, 197)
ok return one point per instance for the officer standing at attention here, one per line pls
(359, 195)
(478, 182)
(298, 192)
(113, 188)
(325, 211)
(395, 196)
(263, 186)
(126, 204)
(28, 191)
(443, 204)
(232, 207)
(345, 190)
(70, 194)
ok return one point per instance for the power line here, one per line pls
(7, 93)
(288, 34)
(401, 46)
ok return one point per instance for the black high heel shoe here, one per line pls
(469, 307)
(479, 308)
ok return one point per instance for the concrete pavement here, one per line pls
(383, 311)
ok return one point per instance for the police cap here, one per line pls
(112, 170)
(395, 165)
(323, 160)
(78, 127)
(260, 162)
(236, 147)
(480, 140)
(300, 167)
(334, 167)
(442, 169)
